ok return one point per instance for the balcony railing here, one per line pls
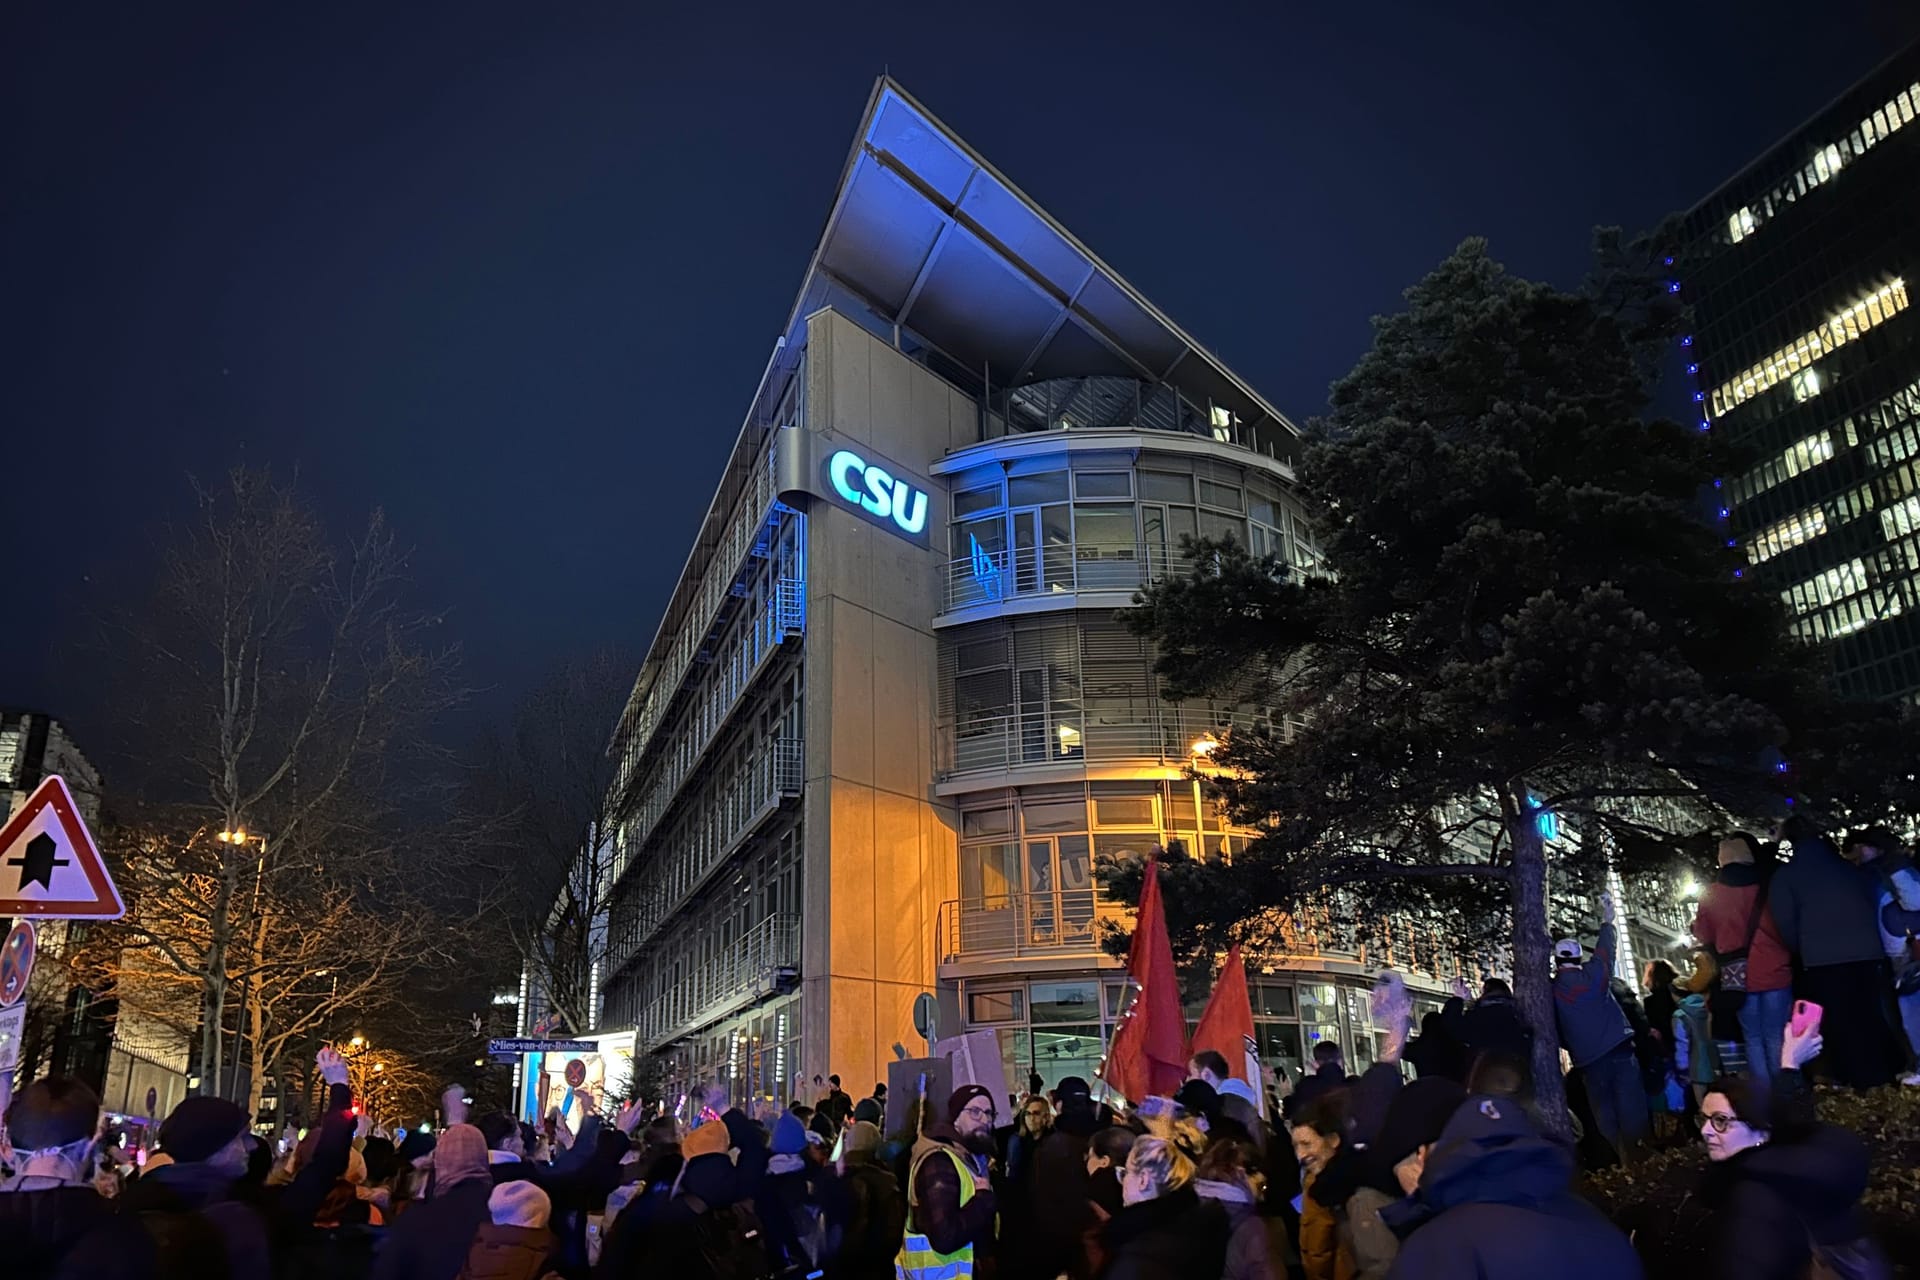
(781, 616)
(1014, 925)
(1143, 730)
(1070, 924)
(732, 815)
(765, 960)
(989, 577)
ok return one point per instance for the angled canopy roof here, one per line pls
(932, 238)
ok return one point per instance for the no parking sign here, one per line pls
(16, 962)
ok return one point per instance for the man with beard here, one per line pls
(950, 1207)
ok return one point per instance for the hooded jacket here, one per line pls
(1769, 1202)
(507, 1253)
(1592, 1023)
(1247, 1256)
(1825, 907)
(1494, 1204)
(672, 1247)
(429, 1241)
(1177, 1236)
(1721, 923)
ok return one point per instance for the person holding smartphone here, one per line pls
(1783, 1190)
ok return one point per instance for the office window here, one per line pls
(1843, 326)
(1102, 484)
(994, 1006)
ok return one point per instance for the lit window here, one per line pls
(1844, 326)
(1786, 534)
(1827, 161)
(1806, 385)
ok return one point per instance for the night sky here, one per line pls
(511, 272)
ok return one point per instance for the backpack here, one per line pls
(731, 1243)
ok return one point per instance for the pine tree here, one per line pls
(1531, 606)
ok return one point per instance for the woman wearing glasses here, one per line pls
(1164, 1230)
(1782, 1189)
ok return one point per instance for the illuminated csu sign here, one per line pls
(873, 489)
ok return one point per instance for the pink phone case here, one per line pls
(1805, 1014)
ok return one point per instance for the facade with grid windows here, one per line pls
(889, 726)
(1806, 354)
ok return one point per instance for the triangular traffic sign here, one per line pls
(50, 868)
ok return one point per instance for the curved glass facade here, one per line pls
(1093, 518)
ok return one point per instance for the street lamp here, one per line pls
(358, 1042)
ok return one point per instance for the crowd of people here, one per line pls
(1435, 1162)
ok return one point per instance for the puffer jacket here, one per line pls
(1495, 1204)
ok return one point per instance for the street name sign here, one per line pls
(512, 1046)
(50, 869)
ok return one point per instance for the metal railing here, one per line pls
(1143, 729)
(989, 577)
(1008, 926)
(736, 669)
(730, 816)
(1071, 924)
(764, 960)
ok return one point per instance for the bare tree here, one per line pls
(280, 684)
(542, 804)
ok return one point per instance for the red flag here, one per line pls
(1148, 1057)
(1227, 1024)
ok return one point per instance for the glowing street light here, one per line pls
(1205, 745)
(358, 1042)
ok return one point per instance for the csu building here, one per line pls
(889, 724)
(1806, 355)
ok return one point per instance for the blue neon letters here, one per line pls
(883, 497)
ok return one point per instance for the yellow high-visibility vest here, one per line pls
(918, 1259)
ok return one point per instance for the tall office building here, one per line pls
(889, 724)
(1806, 353)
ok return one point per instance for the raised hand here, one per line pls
(333, 1067)
(1606, 908)
(629, 1118)
(453, 1104)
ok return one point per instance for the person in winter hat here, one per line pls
(789, 1197)
(1598, 1038)
(191, 1200)
(1494, 1202)
(951, 1201)
(429, 1241)
(514, 1244)
(52, 1221)
(1062, 1214)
